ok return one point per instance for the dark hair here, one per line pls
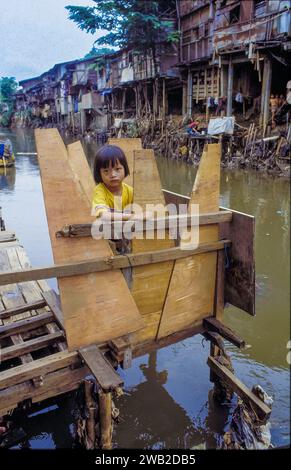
(106, 155)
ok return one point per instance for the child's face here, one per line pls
(113, 176)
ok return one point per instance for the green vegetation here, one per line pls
(136, 24)
(8, 86)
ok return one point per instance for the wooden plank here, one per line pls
(262, 410)
(128, 145)
(240, 289)
(212, 324)
(53, 301)
(192, 288)
(23, 308)
(36, 368)
(29, 346)
(101, 368)
(149, 283)
(13, 297)
(25, 325)
(36, 293)
(215, 339)
(85, 230)
(240, 275)
(105, 264)
(56, 382)
(87, 300)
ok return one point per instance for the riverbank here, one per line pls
(247, 148)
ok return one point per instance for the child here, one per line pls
(111, 195)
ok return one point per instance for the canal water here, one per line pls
(167, 401)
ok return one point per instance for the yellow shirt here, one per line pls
(103, 199)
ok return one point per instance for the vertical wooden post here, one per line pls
(229, 88)
(105, 418)
(189, 92)
(266, 91)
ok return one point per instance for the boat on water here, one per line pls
(7, 157)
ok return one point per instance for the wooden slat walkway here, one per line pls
(33, 350)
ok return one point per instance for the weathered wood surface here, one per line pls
(24, 308)
(212, 324)
(30, 346)
(150, 283)
(261, 409)
(101, 368)
(43, 366)
(53, 302)
(240, 275)
(128, 145)
(55, 383)
(87, 300)
(191, 292)
(85, 230)
(101, 264)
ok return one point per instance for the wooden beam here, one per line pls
(261, 409)
(101, 368)
(213, 324)
(30, 346)
(53, 302)
(85, 230)
(25, 325)
(55, 383)
(107, 264)
(215, 339)
(19, 374)
(23, 308)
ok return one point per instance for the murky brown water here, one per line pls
(166, 401)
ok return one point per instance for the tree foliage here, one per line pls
(8, 86)
(98, 52)
(137, 24)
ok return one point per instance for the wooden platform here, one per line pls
(35, 362)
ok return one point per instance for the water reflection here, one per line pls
(7, 179)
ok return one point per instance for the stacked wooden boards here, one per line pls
(97, 307)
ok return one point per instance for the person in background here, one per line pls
(239, 99)
(192, 128)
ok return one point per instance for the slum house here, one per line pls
(66, 95)
(136, 84)
(230, 47)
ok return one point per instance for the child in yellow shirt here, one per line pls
(111, 195)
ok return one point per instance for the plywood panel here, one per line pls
(128, 145)
(240, 272)
(191, 293)
(150, 283)
(80, 167)
(240, 275)
(97, 307)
